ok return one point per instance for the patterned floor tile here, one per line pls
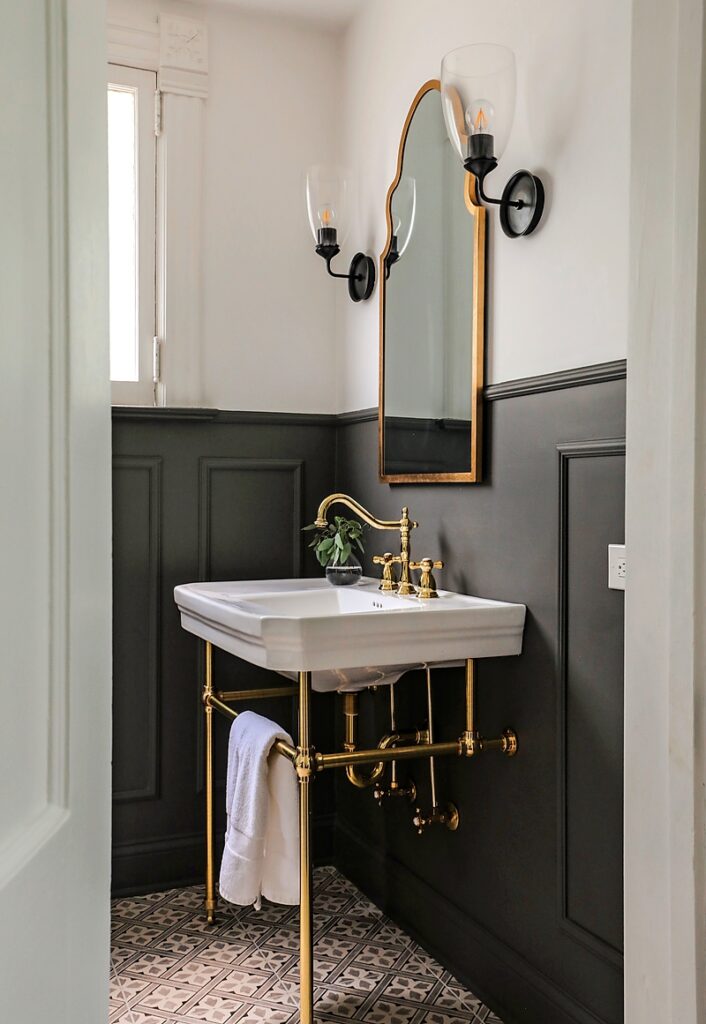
(265, 1015)
(411, 990)
(453, 997)
(151, 965)
(170, 967)
(169, 998)
(241, 983)
(343, 1004)
(215, 1009)
(359, 979)
(385, 1012)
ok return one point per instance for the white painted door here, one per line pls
(54, 515)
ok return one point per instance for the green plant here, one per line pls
(333, 544)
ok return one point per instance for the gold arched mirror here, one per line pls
(432, 324)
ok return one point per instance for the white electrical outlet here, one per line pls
(617, 566)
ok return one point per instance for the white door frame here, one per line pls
(55, 586)
(665, 723)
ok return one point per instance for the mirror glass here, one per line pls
(432, 290)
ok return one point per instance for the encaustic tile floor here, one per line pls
(170, 967)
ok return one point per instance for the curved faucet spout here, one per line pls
(362, 513)
(404, 524)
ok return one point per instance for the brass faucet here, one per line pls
(427, 583)
(404, 524)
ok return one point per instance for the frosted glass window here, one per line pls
(123, 234)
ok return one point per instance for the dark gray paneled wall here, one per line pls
(196, 495)
(524, 902)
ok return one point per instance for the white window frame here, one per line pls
(143, 84)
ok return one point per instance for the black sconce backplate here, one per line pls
(527, 189)
(361, 277)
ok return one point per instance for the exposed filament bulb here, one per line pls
(327, 216)
(479, 117)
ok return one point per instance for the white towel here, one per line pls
(261, 854)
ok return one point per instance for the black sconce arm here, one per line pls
(360, 276)
(332, 273)
(517, 203)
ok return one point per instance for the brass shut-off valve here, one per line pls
(395, 789)
(447, 816)
(427, 583)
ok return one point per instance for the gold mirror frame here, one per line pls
(478, 213)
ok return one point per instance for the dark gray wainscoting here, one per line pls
(196, 495)
(524, 902)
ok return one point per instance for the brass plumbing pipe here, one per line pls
(360, 779)
(365, 779)
(420, 749)
(447, 815)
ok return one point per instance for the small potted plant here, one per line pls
(333, 546)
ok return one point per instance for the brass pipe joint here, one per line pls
(470, 743)
(506, 744)
(305, 763)
(362, 778)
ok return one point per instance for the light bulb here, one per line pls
(479, 117)
(327, 216)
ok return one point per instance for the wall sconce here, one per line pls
(403, 210)
(478, 100)
(327, 200)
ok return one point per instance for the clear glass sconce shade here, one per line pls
(478, 85)
(403, 210)
(328, 200)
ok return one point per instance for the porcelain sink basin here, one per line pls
(348, 637)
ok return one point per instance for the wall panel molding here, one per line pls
(268, 525)
(210, 467)
(151, 680)
(567, 454)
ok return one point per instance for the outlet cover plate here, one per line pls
(617, 567)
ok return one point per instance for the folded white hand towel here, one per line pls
(261, 854)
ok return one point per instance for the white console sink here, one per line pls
(348, 637)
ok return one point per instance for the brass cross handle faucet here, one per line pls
(404, 524)
(389, 583)
(427, 583)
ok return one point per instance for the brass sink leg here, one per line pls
(210, 899)
(304, 765)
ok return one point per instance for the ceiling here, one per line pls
(333, 13)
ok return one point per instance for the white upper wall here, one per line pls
(268, 306)
(278, 334)
(559, 298)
